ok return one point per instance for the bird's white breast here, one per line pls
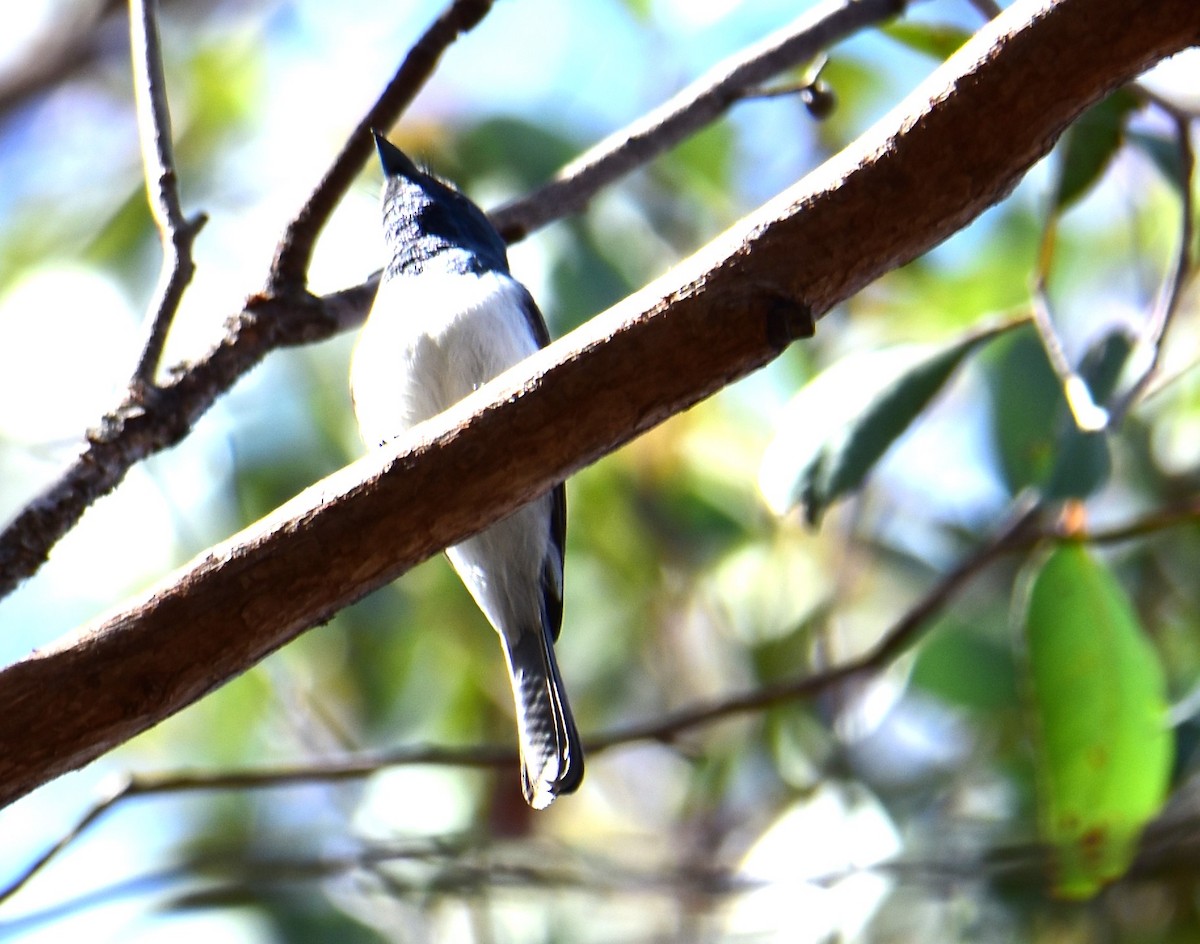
(431, 340)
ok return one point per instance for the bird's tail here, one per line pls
(551, 755)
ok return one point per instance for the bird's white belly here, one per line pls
(430, 341)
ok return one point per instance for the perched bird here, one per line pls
(449, 317)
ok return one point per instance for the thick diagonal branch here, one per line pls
(286, 314)
(959, 144)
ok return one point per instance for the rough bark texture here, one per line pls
(956, 146)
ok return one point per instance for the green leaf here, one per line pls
(1084, 464)
(937, 40)
(1164, 152)
(528, 151)
(843, 421)
(706, 159)
(1088, 146)
(1037, 441)
(1103, 748)
(127, 230)
(640, 10)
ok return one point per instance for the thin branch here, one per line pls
(1089, 417)
(438, 866)
(812, 91)
(78, 38)
(1015, 535)
(699, 104)
(1159, 520)
(162, 186)
(143, 785)
(1172, 291)
(290, 268)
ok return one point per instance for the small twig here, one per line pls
(144, 785)
(162, 186)
(1157, 520)
(814, 94)
(1013, 536)
(1088, 416)
(805, 83)
(71, 44)
(696, 106)
(290, 268)
(784, 90)
(438, 865)
(1173, 287)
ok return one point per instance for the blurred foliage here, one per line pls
(1036, 436)
(682, 588)
(936, 40)
(1090, 144)
(840, 425)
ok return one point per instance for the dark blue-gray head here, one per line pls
(427, 222)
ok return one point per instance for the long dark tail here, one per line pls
(551, 755)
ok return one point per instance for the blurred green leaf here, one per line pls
(966, 668)
(639, 9)
(128, 230)
(704, 161)
(846, 418)
(225, 85)
(936, 40)
(532, 151)
(1164, 152)
(1098, 703)
(584, 281)
(1089, 145)
(1037, 441)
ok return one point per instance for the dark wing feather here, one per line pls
(551, 587)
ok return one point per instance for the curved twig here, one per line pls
(663, 728)
(1184, 266)
(696, 106)
(162, 186)
(290, 269)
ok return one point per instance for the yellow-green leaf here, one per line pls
(1098, 705)
(937, 40)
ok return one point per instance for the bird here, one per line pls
(447, 318)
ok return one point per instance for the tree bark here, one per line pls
(957, 145)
